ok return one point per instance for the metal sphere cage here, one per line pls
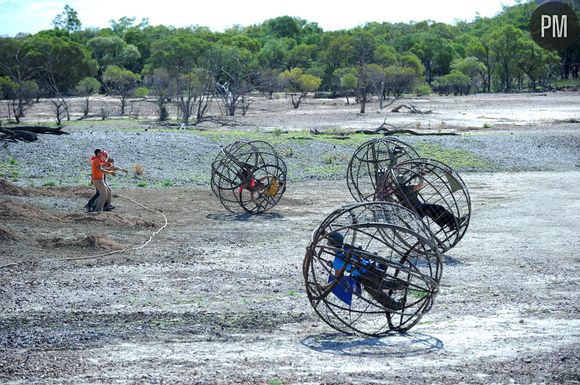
(248, 175)
(435, 192)
(370, 161)
(372, 268)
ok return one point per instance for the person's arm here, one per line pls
(115, 168)
(106, 170)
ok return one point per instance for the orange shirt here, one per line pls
(96, 173)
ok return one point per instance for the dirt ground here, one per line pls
(212, 297)
(218, 298)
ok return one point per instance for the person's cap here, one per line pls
(336, 238)
(105, 153)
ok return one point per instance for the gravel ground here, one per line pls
(182, 158)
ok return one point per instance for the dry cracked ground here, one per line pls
(219, 298)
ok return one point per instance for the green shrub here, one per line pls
(423, 89)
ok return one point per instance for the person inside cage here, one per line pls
(351, 270)
(409, 196)
(267, 185)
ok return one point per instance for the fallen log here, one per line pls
(38, 129)
(412, 109)
(383, 129)
(387, 131)
(15, 135)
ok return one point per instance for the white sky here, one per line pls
(31, 16)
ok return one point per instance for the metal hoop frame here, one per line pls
(242, 174)
(390, 270)
(444, 203)
(370, 161)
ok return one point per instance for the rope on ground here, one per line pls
(110, 252)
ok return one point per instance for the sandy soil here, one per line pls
(218, 298)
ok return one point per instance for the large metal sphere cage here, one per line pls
(248, 175)
(370, 161)
(442, 202)
(372, 268)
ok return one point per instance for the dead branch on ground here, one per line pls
(412, 109)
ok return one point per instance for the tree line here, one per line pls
(191, 67)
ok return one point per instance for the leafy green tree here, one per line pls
(471, 67)
(274, 53)
(481, 49)
(282, 27)
(87, 87)
(363, 51)
(19, 94)
(68, 20)
(162, 86)
(506, 43)
(348, 82)
(376, 78)
(537, 64)
(120, 82)
(410, 60)
(267, 82)
(233, 70)
(400, 80)
(435, 54)
(299, 84)
(113, 51)
(183, 55)
(121, 26)
(454, 82)
(301, 56)
(18, 65)
(60, 65)
(179, 52)
(386, 55)
(142, 92)
(335, 51)
(192, 93)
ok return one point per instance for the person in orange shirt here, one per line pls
(100, 168)
(91, 205)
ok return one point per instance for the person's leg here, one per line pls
(109, 196)
(440, 215)
(91, 203)
(102, 189)
(375, 286)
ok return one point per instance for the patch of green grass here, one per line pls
(486, 125)
(325, 170)
(454, 158)
(167, 183)
(142, 184)
(50, 183)
(227, 137)
(10, 169)
(417, 293)
(274, 381)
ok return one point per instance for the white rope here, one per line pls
(110, 252)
